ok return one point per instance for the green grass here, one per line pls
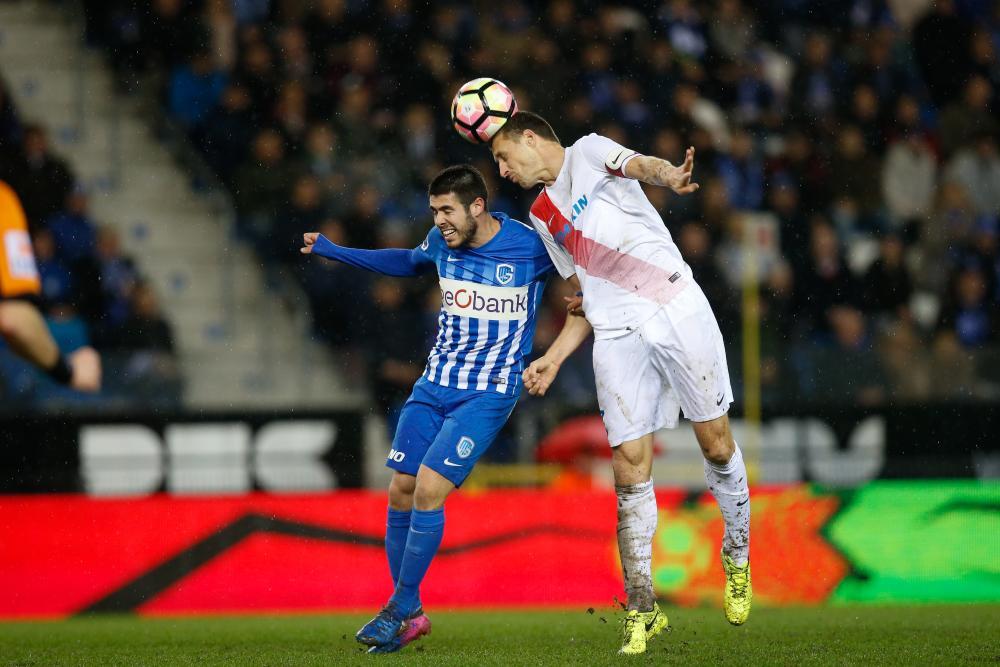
(841, 635)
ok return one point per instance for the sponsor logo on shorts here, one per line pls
(396, 456)
(674, 278)
(468, 299)
(448, 462)
(465, 447)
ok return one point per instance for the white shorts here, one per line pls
(674, 361)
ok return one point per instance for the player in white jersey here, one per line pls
(658, 348)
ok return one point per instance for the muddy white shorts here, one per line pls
(674, 361)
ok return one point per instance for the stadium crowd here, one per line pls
(92, 293)
(864, 130)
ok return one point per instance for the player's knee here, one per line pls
(401, 490)
(428, 498)
(718, 448)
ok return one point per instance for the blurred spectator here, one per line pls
(970, 315)
(887, 284)
(848, 367)
(854, 182)
(816, 83)
(261, 185)
(195, 89)
(962, 120)
(41, 179)
(72, 229)
(743, 172)
(58, 285)
(906, 361)
(227, 131)
(909, 178)
(393, 345)
(145, 328)
(118, 277)
(940, 40)
(949, 230)
(825, 281)
(304, 214)
(147, 342)
(977, 169)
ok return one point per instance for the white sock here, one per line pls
(728, 483)
(636, 526)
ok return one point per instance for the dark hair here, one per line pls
(526, 120)
(462, 179)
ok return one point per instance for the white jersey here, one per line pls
(598, 224)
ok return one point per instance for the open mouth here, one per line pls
(449, 233)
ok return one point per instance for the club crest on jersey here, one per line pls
(426, 244)
(465, 447)
(505, 273)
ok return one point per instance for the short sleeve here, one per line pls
(605, 155)
(561, 259)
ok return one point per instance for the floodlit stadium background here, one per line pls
(169, 155)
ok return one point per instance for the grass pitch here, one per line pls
(839, 635)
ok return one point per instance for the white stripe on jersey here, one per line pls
(505, 373)
(470, 359)
(462, 324)
(433, 362)
(494, 352)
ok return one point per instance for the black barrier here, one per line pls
(316, 451)
(182, 453)
(829, 444)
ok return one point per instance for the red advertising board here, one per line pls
(64, 555)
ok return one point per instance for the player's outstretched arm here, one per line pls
(541, 373)
(397, 262)
(655, 171)
(25, 331)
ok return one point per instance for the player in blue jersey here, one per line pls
(492, 270)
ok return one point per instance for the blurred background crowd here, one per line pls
(863, 131)
(92, 293)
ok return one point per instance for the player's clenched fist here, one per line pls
(310, 240)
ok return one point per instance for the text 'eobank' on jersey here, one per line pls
(468, 299)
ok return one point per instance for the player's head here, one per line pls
(458, 199)
(519, 148)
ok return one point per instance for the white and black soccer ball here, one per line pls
(481, 108)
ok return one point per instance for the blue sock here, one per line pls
(397, 527)
(426, 531)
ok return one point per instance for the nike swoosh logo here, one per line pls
(615, 161)
(453, 465)
(453, 259)
(719, 402)
(743, 503)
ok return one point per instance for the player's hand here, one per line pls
(540, 375)
(574, 304)
(309, 238)
(86, 366)
(680, 180)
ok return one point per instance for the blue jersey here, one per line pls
(489, 302)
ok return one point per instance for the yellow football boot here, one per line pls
(639, 628)
(739, 591)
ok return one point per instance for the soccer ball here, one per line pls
(481, 108)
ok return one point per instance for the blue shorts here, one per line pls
(447, 429)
